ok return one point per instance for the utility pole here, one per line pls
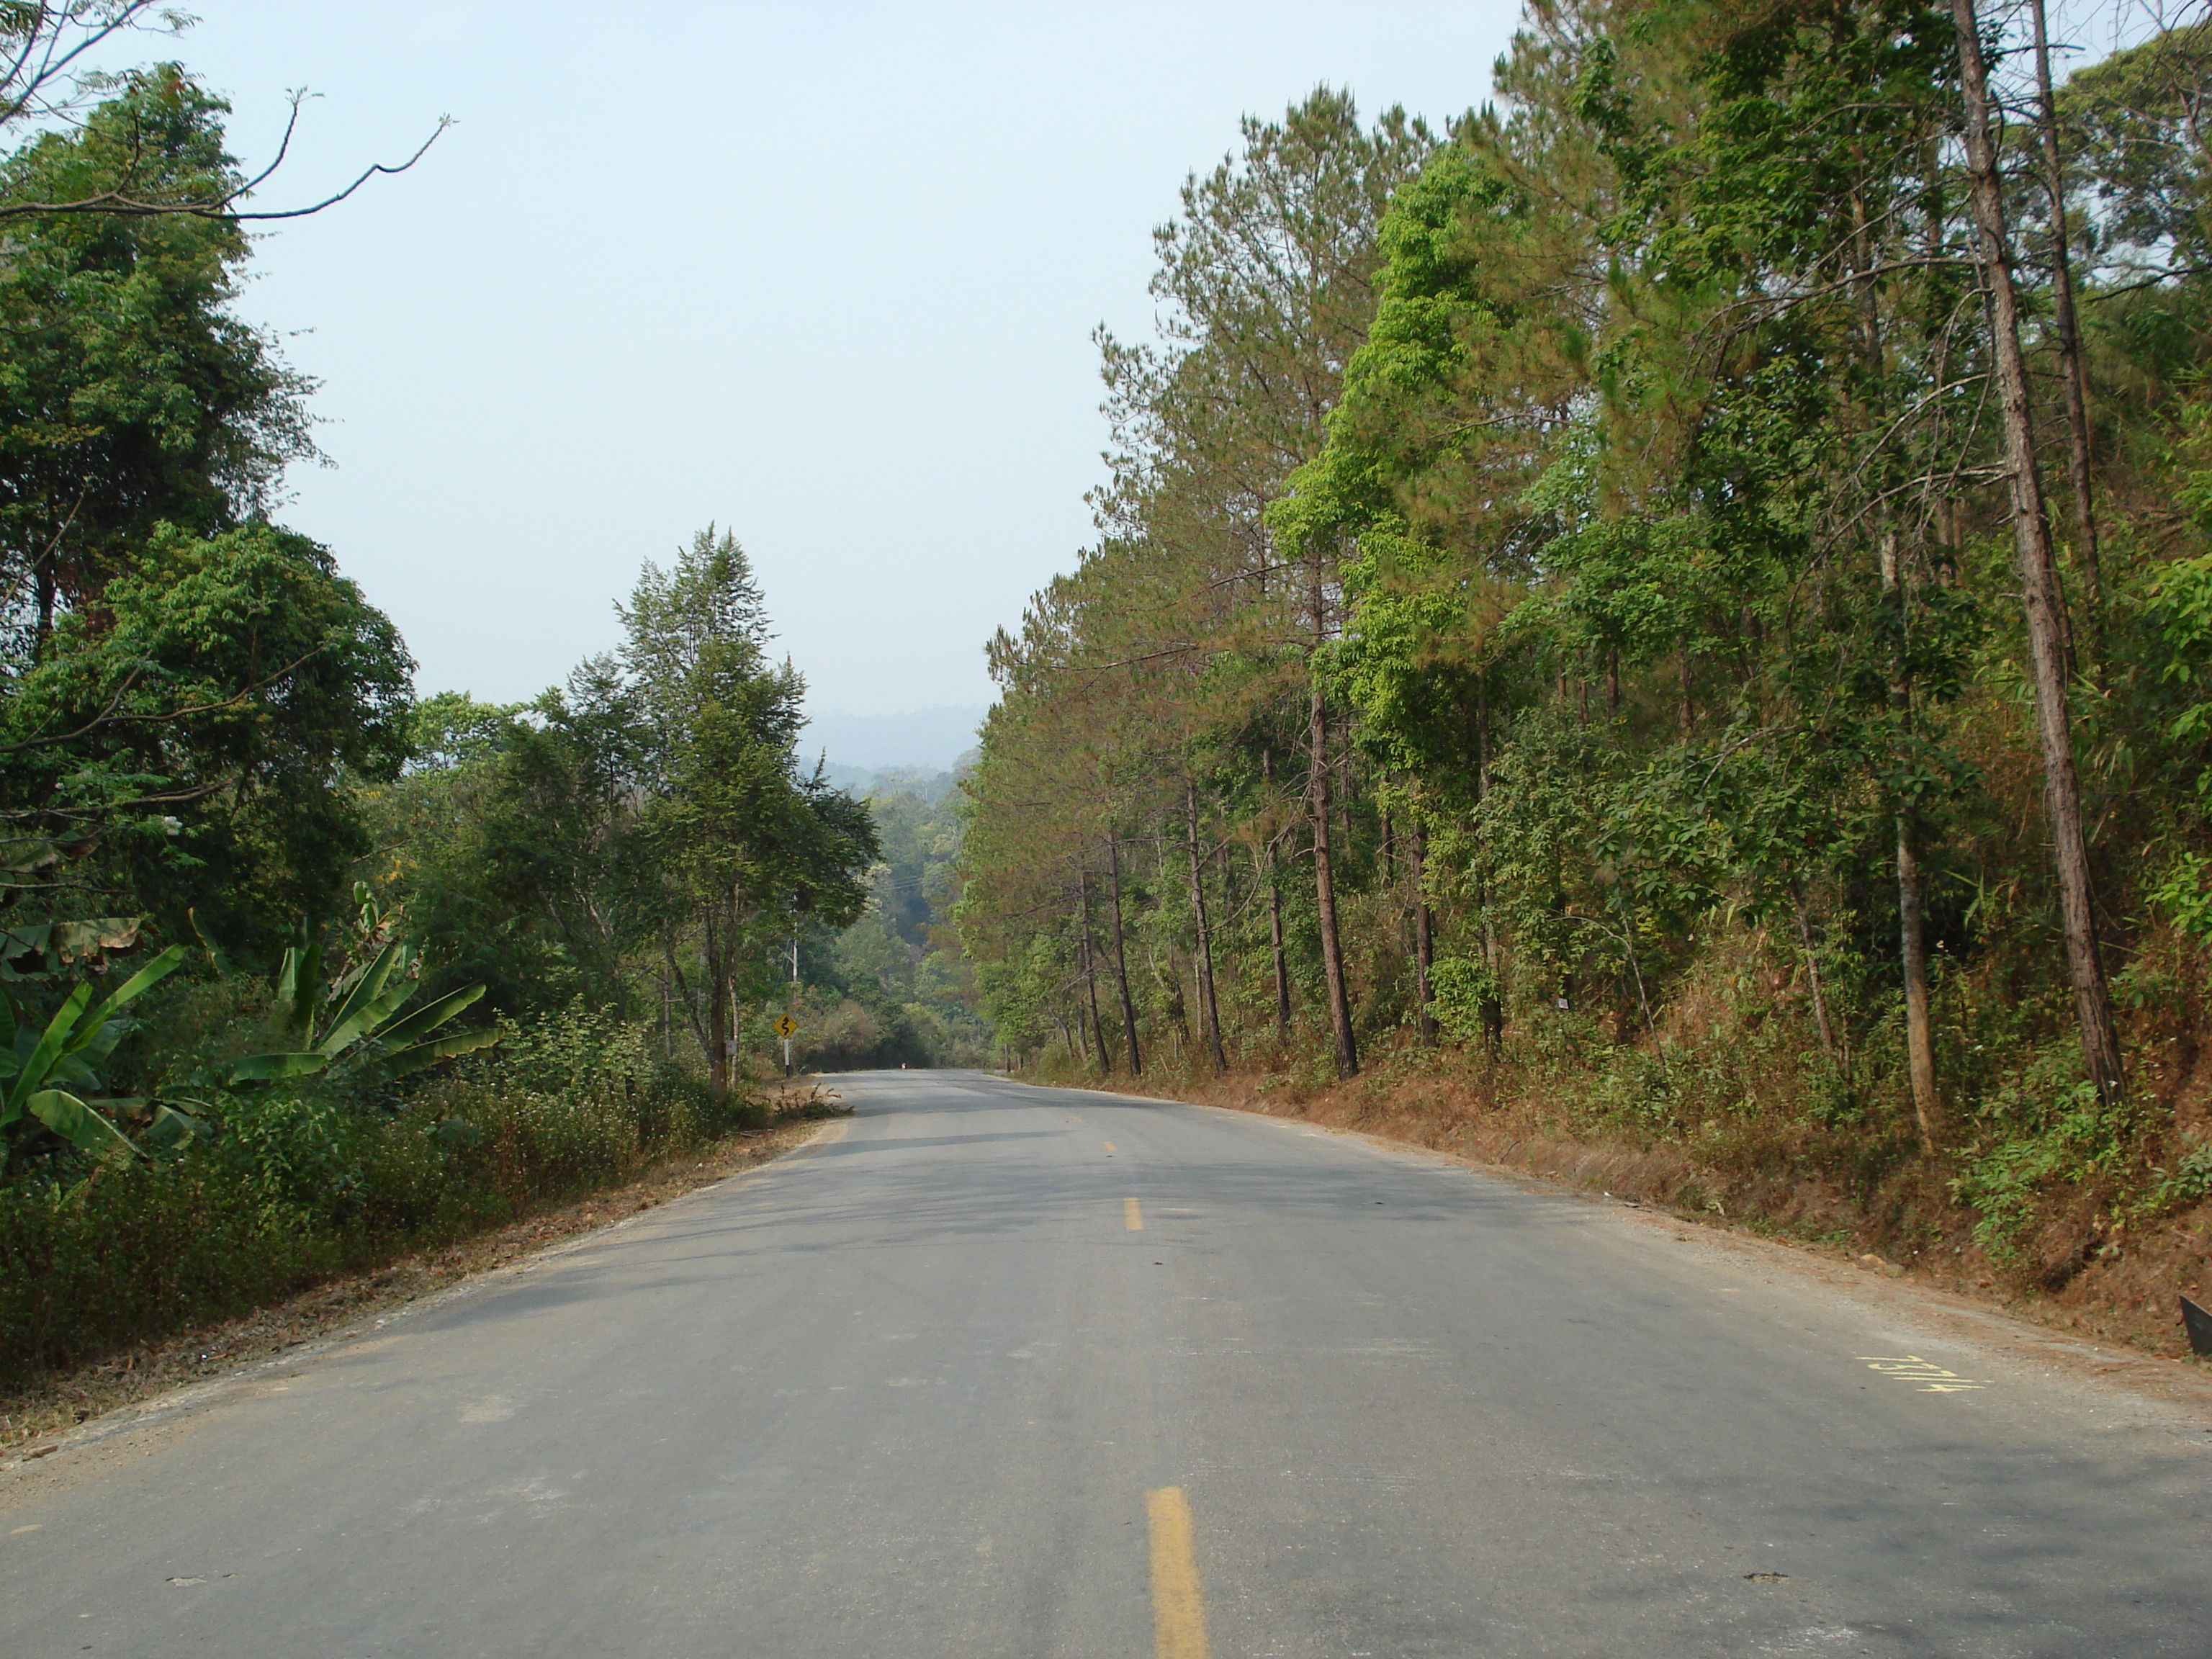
(791, 1004)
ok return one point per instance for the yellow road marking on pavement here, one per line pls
(1132, 1216)
(1178, 1609)
(1911, 1368)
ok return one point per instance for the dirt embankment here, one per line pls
(2125, 1290)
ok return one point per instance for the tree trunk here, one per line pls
(1275, 943)
(667, 1020)
(1837, 1058)
(2041, 596)
(47, 597)
(1091, 976)
(1275, 920)
(1911, 908)
(1331, 953)
(1423, 932)
(1493, 956)
(1209, 1010)
(1919, 1048)
(1121, 959)
(717, 1012)
(2073, 375)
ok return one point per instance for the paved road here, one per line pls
(1007, 1371)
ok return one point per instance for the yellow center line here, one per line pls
(1178, 1609)
(1132, 1216)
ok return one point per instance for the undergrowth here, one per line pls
(298, 1185)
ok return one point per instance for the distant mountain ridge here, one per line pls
(930, 786)
(926, 740)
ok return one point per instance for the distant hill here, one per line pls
(925, 740)
(931, 786)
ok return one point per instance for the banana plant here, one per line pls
(45, 1070)
(361, 1008)
(53, 947)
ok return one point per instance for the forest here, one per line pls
(1670, 615)
(301, 972)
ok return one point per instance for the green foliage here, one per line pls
(2181, 611)
(2041, 1130)
(129, 394)
(206, 728)
(910, 998)
(1596, 577)
(2189, 1181)
(2133, 120)
(46, 1066)
(296, 1184)
(356, 1019)
(212, 708)
(639, 838)
(1463, 991)
(2184, 894)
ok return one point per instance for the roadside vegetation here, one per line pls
(1667, 622)
(1675, 615)
(894, 989)
(298, 973)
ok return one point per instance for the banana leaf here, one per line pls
(273, 1068)
(368, 985)
(438, 1048)
(71, 1071)
(288, 979)
(41, 1059)
(82, 940)
(20, 855)
(299, 986)
(425, 1020)
(78, 1124)
(57, 943)
(97, 1023)
(171, 1131)
(364, 1021)
(217, 958)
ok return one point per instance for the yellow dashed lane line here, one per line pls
(1178, 1609)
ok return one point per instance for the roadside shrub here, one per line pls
(2043, 1130)
(2188, 1181)
(300, 1182)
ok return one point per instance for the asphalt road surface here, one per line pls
(994, 1369)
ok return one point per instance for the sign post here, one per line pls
(786, 1027)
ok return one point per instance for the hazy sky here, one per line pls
(824, 274)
